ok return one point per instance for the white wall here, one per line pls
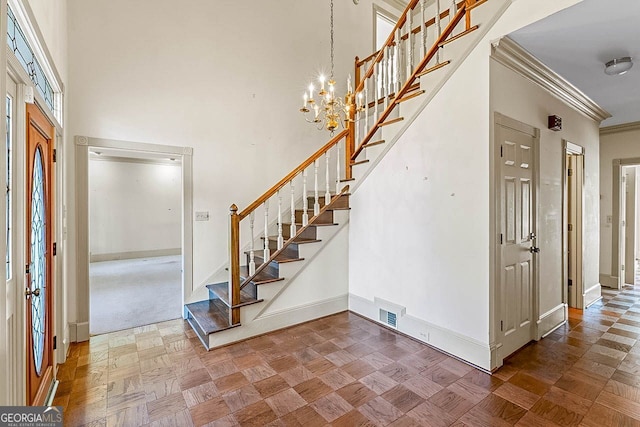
(134, 208)
(619, 145)
(419, 231)
(52, 21)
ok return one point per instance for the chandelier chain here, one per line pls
(332, 39)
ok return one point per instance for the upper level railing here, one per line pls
(386, 76)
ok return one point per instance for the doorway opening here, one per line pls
(135, 244)
(628, 213)
(573, 224)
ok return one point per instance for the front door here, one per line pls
(517, 237)
(39, 255)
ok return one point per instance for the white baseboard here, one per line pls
(468, 349)
(552, 319)
(609, 281)
(592, 295)
(134, 254)
(79, 332)
(274, 321)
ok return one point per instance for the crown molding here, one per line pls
(626, 127)
(401, 5)
(515, 57)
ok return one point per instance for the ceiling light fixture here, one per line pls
(618, 66)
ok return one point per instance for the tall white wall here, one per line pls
(134, 208)
(419, 230)
(619, 145)
(51, 17)
(224, 77)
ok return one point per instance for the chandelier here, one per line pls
(329, 110)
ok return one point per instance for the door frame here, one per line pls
(495, 224)
(79, 330)
(570, 148)
(618, 212)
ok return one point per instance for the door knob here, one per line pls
(28, 293)
(534, 250)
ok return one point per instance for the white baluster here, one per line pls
(409, 44)
(316, 204)
(366, 108)
(305, 201)
(267, 252)
(252, 261)
(385, 77)
(280, 237)
(338, 168)
(376, 90)
(356, 122)
(292, 228)
(423, 27)
(390, 71)
(452, 10)
(327, 193)
(438, 29)
(396, 62)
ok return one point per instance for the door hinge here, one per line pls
(501, 326)
(26, 268)
(55, 342)
(55, 155)
(501, 154)
(622, 267)
(501, 238)
(570, 172)
(570, 227)
(55, 248)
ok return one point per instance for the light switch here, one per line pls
(202, 216)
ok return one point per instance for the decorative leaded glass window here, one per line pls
(20, 46)
(9, 182)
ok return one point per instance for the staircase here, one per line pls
(297, 219)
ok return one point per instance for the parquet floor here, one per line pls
(346, 371)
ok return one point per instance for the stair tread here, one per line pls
(374, 143)
(297, 241)
(210, 315)
(360, 162)
(434, 68)
(322, 224)
(222, 291)
(390, 122)
(284, 259)
(244, 274)
(459, 35)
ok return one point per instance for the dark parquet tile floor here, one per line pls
(346, 371)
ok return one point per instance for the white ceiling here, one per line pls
(578, 41)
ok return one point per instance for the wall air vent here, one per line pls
(389, 318)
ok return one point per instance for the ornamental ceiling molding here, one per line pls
(515, 57)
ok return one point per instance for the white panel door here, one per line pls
(517, 238)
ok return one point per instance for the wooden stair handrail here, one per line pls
(432, 51)
(291, 238)
(273, 190)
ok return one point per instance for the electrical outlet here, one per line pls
(202, 216)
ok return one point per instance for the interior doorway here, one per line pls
(135, 216)
(628, 220)
(573, 223)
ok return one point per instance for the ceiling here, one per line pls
(576, 43)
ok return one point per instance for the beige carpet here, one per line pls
(135, 292)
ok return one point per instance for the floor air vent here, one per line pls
(389, 318)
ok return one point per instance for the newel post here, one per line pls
(350, 142)
(234, 265)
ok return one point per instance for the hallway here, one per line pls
(345, 370)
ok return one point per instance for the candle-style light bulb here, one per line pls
(349, 84)
(359, 103)
(311, 91)
(315, 108)
(304, 104)
(321, 78)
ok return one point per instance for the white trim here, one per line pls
(281, 319)
(82, 146)
(551, 320)
(461, 346)
(592, 295)
(608, 281)
(515, 57)
(627, 127)
(115, 256)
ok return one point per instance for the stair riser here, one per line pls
(291, 251)
(308, 233)
(341, 203)
(251, 289)
(325, 217)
